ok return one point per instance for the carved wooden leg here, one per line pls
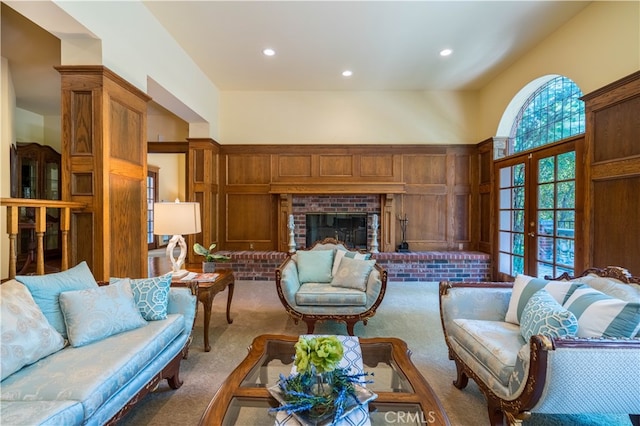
(174, 381)
(496, 416)
(461, 377)
(311, 325)
(350, 325)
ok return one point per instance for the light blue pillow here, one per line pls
(151, 295)
(26, 334)
(353, 273)
(46, 289)
(314, 266)
(98, 313)
(544, 315)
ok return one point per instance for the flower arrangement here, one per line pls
(319, 389)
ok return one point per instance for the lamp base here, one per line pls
(180, 273)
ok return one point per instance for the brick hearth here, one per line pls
(401, 267)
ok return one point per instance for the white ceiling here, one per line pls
(389, 45)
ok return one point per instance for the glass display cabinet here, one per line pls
(35, 173)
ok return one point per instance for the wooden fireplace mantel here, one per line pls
(338, 188)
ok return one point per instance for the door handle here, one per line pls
(531, 234)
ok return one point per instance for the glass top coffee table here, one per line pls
(404, 396)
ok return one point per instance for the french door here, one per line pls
(536, 208)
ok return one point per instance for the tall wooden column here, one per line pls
(203, 187)
(104, 164)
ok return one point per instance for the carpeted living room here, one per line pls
(409, 311)
(372, 202)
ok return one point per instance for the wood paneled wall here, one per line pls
(432, 185)
(612, 175)
(104, 165)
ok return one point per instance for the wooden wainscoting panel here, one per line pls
(82, 237)
(295, 165)
(335, 165)
(462, 169)
(427, 219)
(615, 228)
(125, 131)
(617, 131)
(424, 169)
(81, 131)
(245, 169)
(462, 222)
(377, 166)
(125, 194)
(250, 220)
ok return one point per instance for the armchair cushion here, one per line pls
(101, 312)
(318, 295)
(353, 273)
(600, 315)
(543, 315)
(524, 287)
(314, 266)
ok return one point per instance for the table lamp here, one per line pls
(176, 219)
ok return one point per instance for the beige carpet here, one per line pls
(409, 311)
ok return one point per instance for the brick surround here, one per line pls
(401, 267)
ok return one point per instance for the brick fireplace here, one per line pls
(302, 205)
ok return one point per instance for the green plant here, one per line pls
(209, 255)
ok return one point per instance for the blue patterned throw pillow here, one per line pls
(544, 315)
(98, 313)
(151, 295)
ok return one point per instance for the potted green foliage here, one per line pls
(210, 258)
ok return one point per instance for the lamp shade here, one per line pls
(176, 218)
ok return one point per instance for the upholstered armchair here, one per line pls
(330, 282)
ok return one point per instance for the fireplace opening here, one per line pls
(350, 228)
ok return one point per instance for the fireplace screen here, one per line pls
(350, 228)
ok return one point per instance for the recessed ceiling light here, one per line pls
(347, 73)
(446, 52)
(269, 52)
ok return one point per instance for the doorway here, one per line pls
(536, 200)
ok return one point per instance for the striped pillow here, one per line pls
(350, 254)
(525, 286)
(600, 315)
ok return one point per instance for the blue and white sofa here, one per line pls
(78, 353)
(330, 282)
(569, 347)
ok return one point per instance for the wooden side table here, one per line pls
(207, 289)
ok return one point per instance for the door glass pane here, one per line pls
(511, 216)
(556, 215)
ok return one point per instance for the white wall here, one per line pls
(340, 117)
(171, 177)
(597, 47)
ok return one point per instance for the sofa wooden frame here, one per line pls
(517, 410)
(311, 318)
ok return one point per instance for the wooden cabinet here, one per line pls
(35, 173)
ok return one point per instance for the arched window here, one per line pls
(552, 113)
(536, 189)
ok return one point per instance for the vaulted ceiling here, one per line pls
(388, 45)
